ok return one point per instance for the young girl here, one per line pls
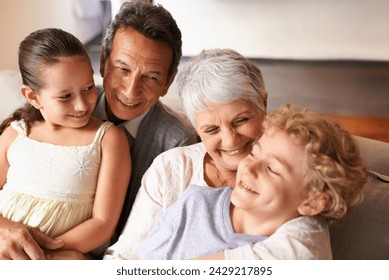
(303, 173)
(61, 170)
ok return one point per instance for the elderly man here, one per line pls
(140, 55)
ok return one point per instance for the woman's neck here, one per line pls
(217, 177)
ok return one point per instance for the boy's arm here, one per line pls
(302, 238)
(114, 176)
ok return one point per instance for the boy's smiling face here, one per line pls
(270, 180)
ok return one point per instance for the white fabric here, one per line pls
(49, 186)
(169, 175)
(303, 238)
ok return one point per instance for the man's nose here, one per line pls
(132, 85)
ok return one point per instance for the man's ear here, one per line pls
(314, 204)
(31, 96)
(102, 62)
(168, 83)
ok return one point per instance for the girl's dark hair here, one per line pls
(40, 49)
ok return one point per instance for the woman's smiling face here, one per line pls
(228, 131)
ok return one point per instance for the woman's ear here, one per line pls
(314, 204)
(31, 96)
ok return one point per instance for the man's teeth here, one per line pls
(129, 104)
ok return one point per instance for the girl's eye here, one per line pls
(65, 97)
(89, 89)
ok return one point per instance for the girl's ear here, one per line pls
(314, 204)
(31, 96)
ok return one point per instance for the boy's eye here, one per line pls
(271, 170)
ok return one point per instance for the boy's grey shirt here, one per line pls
(197, 224)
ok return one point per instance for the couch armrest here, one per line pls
(375, 155)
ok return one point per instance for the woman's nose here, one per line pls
(229, 137)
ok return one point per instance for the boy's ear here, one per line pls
(314, 204)
(31, 96)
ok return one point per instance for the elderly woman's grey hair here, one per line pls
(220, 76)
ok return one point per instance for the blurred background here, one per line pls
(331, 56)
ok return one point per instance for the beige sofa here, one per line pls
(364, 235)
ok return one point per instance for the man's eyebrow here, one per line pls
(121, 62)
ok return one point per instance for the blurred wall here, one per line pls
(291, 29)
(18, 18)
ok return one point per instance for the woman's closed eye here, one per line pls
(212, 129)
(240, 121)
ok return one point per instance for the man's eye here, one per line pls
(122, 70)
(149, 78)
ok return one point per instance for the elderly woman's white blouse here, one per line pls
(168, 176)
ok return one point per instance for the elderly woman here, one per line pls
(224, 97)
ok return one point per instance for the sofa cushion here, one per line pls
(375, 154)
(364, 233)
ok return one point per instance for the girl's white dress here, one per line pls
(48, 186)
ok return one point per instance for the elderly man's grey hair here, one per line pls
(220, 76)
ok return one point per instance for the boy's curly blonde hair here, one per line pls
(333, 160)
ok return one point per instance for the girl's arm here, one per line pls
(6, 139)
(114, 176)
